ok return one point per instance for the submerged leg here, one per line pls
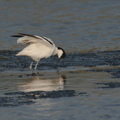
(31, 65)
(36, 65)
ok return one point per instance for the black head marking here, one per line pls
(64, 54)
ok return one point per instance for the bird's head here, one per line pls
(61, 53)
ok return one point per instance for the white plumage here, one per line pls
(38, 47)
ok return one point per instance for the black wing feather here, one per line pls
(23, 34)
(28, 35)
(16, 35)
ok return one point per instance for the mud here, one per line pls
(110, 85)
(21, 98)
(10, 61)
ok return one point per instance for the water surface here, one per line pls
(83, 26)
(85, 85)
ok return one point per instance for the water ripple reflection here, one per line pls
(37, 83)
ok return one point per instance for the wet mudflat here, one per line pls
(81, 86)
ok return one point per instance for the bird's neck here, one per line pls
(55, 51)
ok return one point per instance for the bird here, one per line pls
(38, 47)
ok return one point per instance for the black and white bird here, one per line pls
(38, 47)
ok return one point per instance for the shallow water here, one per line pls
(82, 86)
(85, 85)
(82, 25)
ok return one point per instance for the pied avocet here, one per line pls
(38, 47)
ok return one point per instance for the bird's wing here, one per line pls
(29, 39)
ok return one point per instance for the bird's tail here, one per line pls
(19, 54)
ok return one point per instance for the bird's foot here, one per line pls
(35, 68)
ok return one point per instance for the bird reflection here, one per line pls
(37, 83)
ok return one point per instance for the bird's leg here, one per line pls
(36, 65)
(31, 65)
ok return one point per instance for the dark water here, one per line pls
(82, 25)
(85, 85)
